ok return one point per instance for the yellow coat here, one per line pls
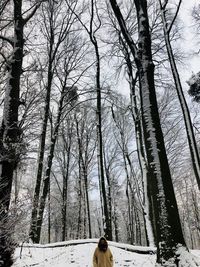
(102, 259)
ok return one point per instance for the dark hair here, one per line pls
(103, 245)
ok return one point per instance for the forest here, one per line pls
(100, 124)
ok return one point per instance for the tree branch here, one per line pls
(123, 28)
(33, 12)
(98, 17)
(175, 16)
(9, 40)
(3, 5)
(4, 57)
(165, 4)
(73, 11)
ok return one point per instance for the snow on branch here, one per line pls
(127, 247)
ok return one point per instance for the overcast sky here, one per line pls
(191, 42)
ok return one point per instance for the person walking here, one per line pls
(102, 255)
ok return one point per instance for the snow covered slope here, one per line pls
(78, 254)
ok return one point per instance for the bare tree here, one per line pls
(10, 132)
(91, 32)
(160, 183)
(167, 27)
(67, 142)
(94, 26)
(84, 137)
(51, 17)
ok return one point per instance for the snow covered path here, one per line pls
(77, 256)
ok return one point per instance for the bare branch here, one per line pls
(7, 39)
(165, 4)
(175, 16)
(123, 27)
(91, 19)
(73, 11)
(3, 5)
(3, 56)
(98, 17)
(35, 8)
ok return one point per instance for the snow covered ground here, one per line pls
(77, 254)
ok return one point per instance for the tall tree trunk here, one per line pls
(88, 206)
(84, 163)
(147, 204)
(107, 229)
(79, 221)
(109, 195)
(84, 216)
(86, 186)
(115, 221)
(130, 231)
(10, 148)
(34, 214)
(56, 230)
(168, 228)
(65, 183)
(186, 114)
(64, 205)
(130, 226)
(107, 225)
(49, 214)
(87, 203)
(144, 170)
(50, 26)
(138, 238)
(10, 134)
(46, 180)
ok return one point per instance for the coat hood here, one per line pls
(103, 244)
